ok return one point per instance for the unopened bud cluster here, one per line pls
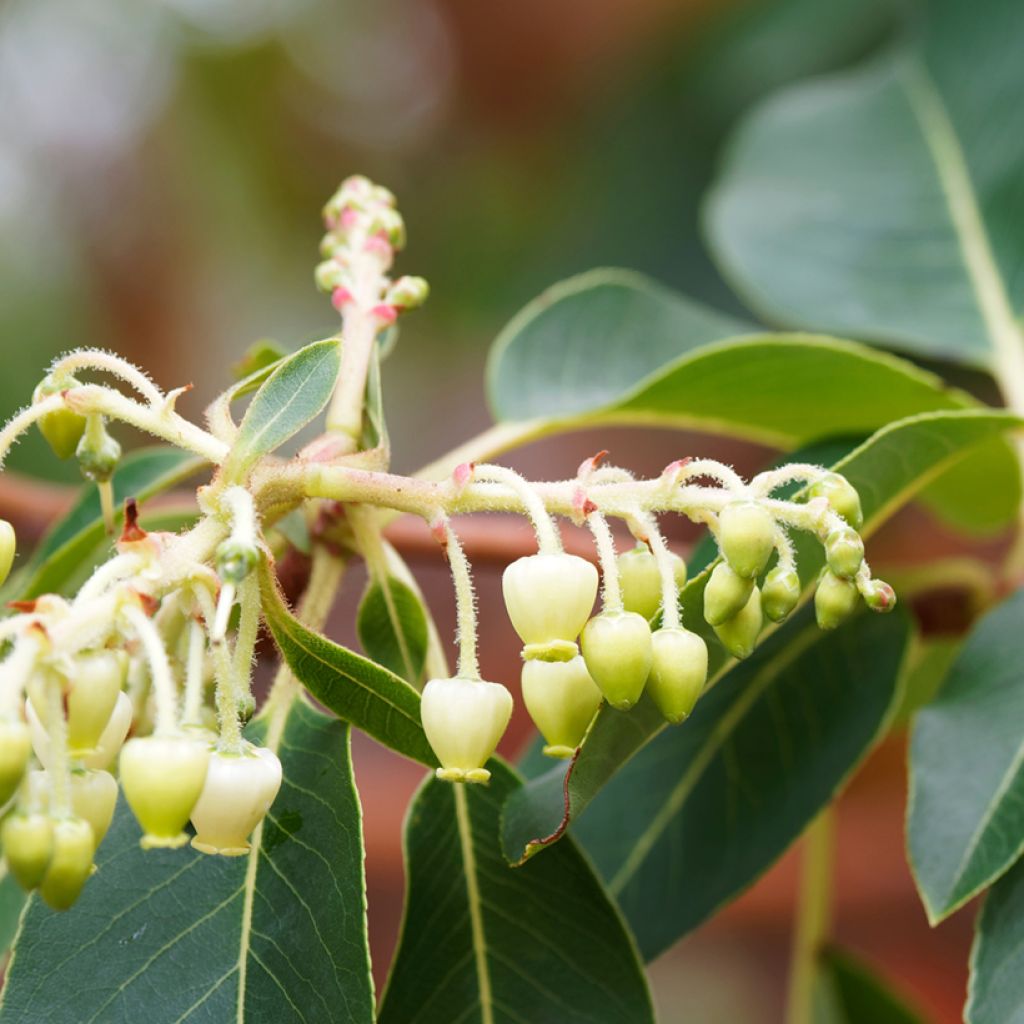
(575, 660)
(364, 231)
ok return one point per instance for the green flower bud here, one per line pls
(238, 792)
(549, 597)
(70, 865)
(8, 549)
(162, 777)
(15, 747)
(640, 580)
(746, 534)
(94, 685)
(834, 600)
(93, 799)
(463, 720)
(28, 846)
(108, 746)
(617, 649)
(98, 453)
(725, 594)
(235, 560)
(679, 670)
(841, 495)
(780, 593)
(63, 428)
(845, 551)
(879, 596)
(739, 634)
(408, 293)
(562, 699)
(329, 275)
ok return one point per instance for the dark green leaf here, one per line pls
(12, 902)
(886, 470)
(996, 990)
(485, 944)
(879, 203)
(375, 429)
(612, 346)
(141, 474)
(358, 690)
(965, 825)
(168, 936)
(392, 628)
(721, 797)
(293, 395)
(849, 992)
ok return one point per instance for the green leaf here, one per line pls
(392, 628)
(482, 943)
(721, 797)
(288, 399)
(887, 470)
(262, 355)
(849, 992)
(879, 203)
(141, 474)
(168, 936)
(965, 824)
(375, 428)
(995, 993)
(613, 347)
(356, 689)
(12, 902)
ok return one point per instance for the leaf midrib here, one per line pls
(940, 138)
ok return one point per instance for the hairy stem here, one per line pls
(813, 916)
(611, 590)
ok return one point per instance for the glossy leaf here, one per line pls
(167, 936)
(392, 628)
(482, 943)
(292, 396)
(887, 470)
(965, 825)
(849, 992)
(356, 689)
(721, 797)
(996, 990)
(73, 541)
(882, 203)
(612, 346)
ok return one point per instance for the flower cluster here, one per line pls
(573, 660)
(142, 649)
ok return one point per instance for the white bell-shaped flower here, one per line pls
(463, 720)
(162, 777)
(238, 792)
(562, 698)
(549, 597)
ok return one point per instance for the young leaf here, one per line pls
(260, 355)
(849, 992)
(996, 990)
(166, 936)
(874, 203)
(965, 824)
(484, 944)
(141, 474)
(356, 689)
(288, 399)
(392, 628)
(563, 364)
(886, 470)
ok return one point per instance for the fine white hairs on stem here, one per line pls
(611, 590)
(465, 599)
(159, 668)
(548, 541)
(97, 359)
(670, 617)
